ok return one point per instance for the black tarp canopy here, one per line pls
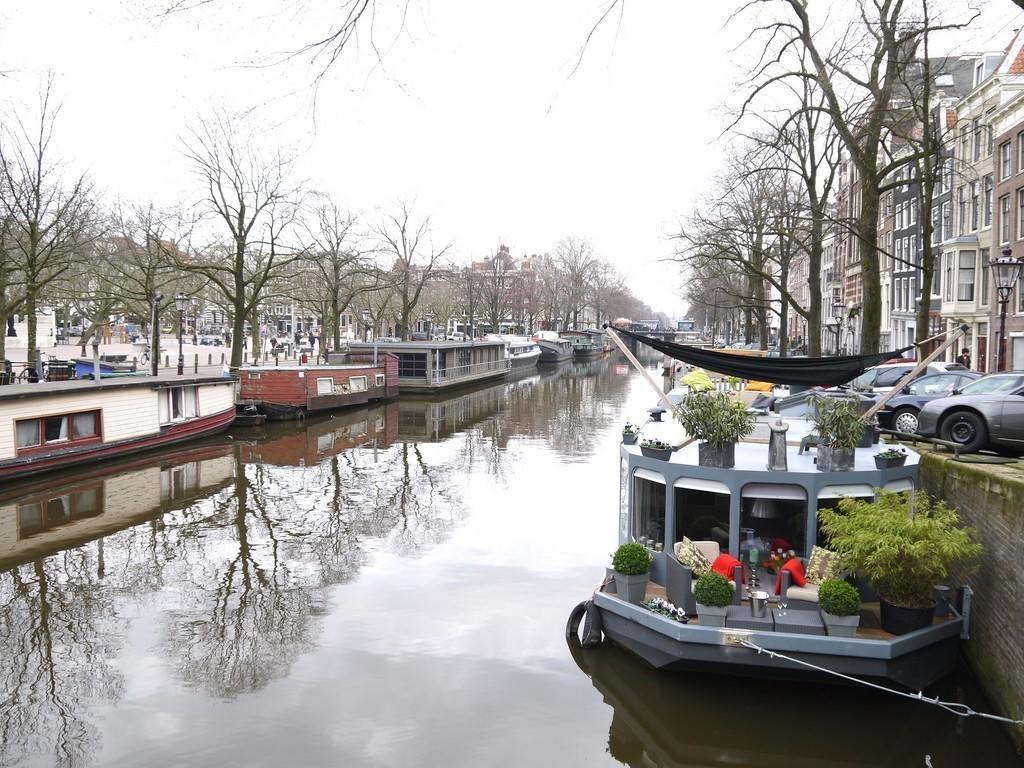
(801, 371)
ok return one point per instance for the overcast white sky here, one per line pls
(472, 113)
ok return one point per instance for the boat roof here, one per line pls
(421, 346)
(74, 386)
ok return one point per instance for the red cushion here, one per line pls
(725, 564)
(796, 570)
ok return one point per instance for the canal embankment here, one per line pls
(990, 498)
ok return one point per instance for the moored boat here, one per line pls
(552, 348)
(51, 425)
(583, 345)
(520, 351)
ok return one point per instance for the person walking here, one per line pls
(965, 358)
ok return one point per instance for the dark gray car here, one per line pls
(988, 412)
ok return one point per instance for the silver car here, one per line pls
(987, 412)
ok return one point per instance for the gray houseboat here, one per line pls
(430, 366)
(554, 349)
(741, 511)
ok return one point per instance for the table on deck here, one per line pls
(739, 617)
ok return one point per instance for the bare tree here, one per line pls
(414, 260)
(496, 282)
(576, 260)
(48, 218)
(256, 203)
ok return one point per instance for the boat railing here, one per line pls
(462, 371)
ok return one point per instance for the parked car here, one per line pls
(457, 336)
(881, 378)
(900, 413)
(420, 336)
(988, 412)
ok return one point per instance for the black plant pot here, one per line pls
(897, 620)
(628, 438)
(723, 456)
(884, 463)
(656, 453)
(870, 436)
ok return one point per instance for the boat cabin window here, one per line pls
(412, 365)
(380, 380)
(702, 511)
(357, 384)
(648, 506)
(177, 404)
(51, 430)
(325, 386)
(772, 517)
(829, 498)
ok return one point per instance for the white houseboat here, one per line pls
(520, 351)
(51, 425)
(430, 366)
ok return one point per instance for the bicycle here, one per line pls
(53, 370)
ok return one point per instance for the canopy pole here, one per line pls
(959, 333)
(662, 397)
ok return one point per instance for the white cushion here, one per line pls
(808, 594)
(710, 549)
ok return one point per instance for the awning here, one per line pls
(700, 484)
(774, 491)
(646, 474)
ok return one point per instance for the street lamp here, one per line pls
(837, 318)
(1006, 270)
(181, 301)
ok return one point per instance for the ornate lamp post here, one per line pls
(181, 301)
(837, 318)
(1006, 270)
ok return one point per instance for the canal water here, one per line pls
(384, 587)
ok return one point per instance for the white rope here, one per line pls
(953, 707)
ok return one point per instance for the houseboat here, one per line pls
(432, 366)
(520, 351)
(293, 392)
(552, 348)
(742, 511)
(39, 517)
(598, 337)
(51, 425)
(583, 345)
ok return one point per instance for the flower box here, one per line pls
(884, 462)
(664, 454)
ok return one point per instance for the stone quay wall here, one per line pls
(990, 498)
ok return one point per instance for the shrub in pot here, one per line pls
(630, 433)
(840, 607)
(714, 596)
(717, 420)
(837, 422)
(632, 564)
(903, 544)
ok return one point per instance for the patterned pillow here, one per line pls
(823, 565)
(688, 554)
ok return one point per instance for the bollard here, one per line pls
(195, 367)
(167, 361)
(222, 358)
(209, 359)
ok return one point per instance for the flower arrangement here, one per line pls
(655, 444)
(892, 453)
(778, 558)
(630, 429)
(663, 607)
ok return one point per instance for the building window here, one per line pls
(987, 203)
(1020, 151)
(978, 142)
(1005, 161)
(1004, 219)
(975, 200)
(64, 429)
(962, 209)
(899, 216)
(947, 220)
(912, 254)
(912, 212)
(1020, 214)
(984, 276)
(965, 276)
(949, 277)
(936, 226)
(947, 174)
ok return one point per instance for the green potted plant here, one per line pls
(714, 596)
(837, 422)
(891, 457)
(654, 448)
(903, 544)
(718, 421)
(630, 433)
(840, 607)
(632, 564)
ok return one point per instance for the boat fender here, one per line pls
(592, 626)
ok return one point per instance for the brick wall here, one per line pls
(990, 498)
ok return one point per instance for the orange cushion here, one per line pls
(725, 564)
(796, 570)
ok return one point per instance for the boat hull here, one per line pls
(175, 433)
(528, 360)
(554, 353)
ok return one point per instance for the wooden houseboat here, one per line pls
(740, 511)
(39, 517)
(554, 349)
(292, 392)
(51, 425)
(429, 366)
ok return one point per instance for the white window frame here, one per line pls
(357, 384)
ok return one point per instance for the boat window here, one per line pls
(85, 424)
(55, 428)
(900, 486)
(648, 506)
(65, 428)
(357, 384)
(772, 517)
(325, 386)
(380, 380)
(178, 403)
(623, 499)
(412, 365)
(702, 515)
(28, 433)
(829, 498)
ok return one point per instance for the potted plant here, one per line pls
(654, 448)
(718, 421)
(903, 544)
(891, 457)
(714, 596)
(632, 564)
(837, 422)
(840, 607)
(630, 433)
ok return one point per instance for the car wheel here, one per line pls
(904, 420)
(966, 428)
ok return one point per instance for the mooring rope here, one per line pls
(953, 707)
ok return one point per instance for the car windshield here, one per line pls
(991, 384)
(866, 379)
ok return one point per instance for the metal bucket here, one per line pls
(759, 604)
